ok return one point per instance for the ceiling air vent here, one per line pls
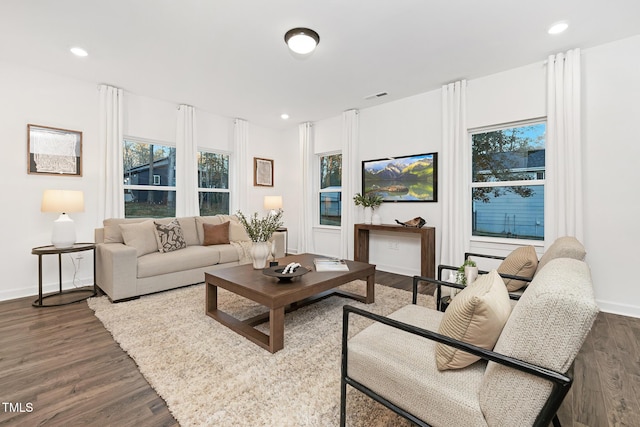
(376, 95)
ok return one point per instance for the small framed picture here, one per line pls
(262, 172)
(53, 151)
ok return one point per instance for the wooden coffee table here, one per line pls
(280, 297)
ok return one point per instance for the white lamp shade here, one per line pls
(62, 201)
(272, 203)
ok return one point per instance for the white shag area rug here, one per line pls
(211, 376)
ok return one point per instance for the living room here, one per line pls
(404, 126)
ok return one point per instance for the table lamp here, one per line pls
(272, 204)
(63, 201)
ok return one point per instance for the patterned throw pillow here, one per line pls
(170, 236)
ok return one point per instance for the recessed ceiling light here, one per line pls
(78, 51)
(284, 116)
(558, 27)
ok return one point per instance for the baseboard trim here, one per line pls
(617, 308)
(46, 289)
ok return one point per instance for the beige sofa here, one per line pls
(129, 264)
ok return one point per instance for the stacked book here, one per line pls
(330, 264)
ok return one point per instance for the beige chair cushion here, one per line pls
(216, 234)
(521, 262)
(563, 247)
(476, 316)
(395, 364)
(140, 235)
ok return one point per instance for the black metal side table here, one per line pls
(52, 250)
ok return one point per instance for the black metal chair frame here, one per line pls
(561, 382)
(439, 282)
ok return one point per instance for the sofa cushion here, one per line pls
(169, 236)
(476, 316)
(191, 257)
(521, 262)
(547, 328)
(387, 360)
(113, 233)
(216, 234)
(112, 230)
(189, 230)
(140, 235)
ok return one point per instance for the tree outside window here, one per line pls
(508, 167)
(213, 183)
(330, 194)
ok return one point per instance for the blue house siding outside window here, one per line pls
(508, 172)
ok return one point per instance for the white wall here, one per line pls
(408, 126)
(611, 90)
(610, 110)
(32, 96)
(36, 97)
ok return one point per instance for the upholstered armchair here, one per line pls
(517, 269)
(416, 363)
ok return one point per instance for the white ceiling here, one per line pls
(228, 57)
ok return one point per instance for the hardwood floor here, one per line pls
(63, 363)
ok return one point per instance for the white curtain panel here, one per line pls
(240, 171)
(187, 201)
(350, 180)
(563, 202)
(110, 136)
(455, 175)
(307, 214)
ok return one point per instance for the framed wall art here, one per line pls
(262, 172)
(53, 151)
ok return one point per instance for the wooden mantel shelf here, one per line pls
(427, 244)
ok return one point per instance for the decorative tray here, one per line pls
(276, 271)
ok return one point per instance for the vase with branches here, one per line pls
(260, 231)
(369, 202)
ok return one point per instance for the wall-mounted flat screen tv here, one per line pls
(402, 179)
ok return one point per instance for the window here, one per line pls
(330, 194)
(149, 179)
(508, 172)
(213, 183)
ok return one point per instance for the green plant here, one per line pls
(367, 200)
(460, 276)
(261, 229)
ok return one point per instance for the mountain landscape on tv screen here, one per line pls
(404, 179)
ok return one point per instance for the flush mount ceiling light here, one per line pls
(558, 27)
(284, 116)
(301, 40)
(78, 51)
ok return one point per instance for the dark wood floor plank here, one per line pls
(66, 363)
(587, 401)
